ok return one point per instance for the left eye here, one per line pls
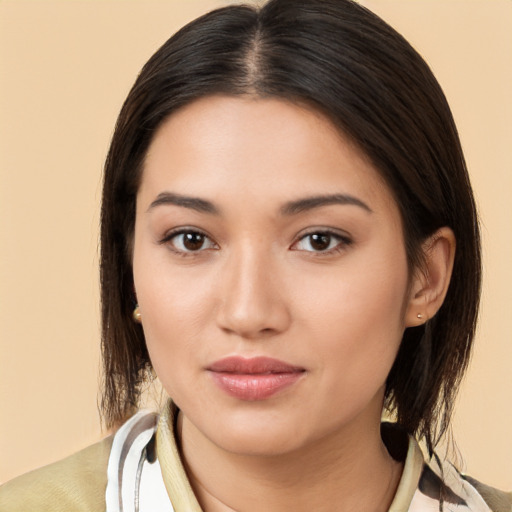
(190, 241)
(320, 242)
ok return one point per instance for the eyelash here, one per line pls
(167, 240)
(343, 241)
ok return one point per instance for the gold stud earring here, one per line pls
(136, 315)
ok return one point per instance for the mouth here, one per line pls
(255, 378)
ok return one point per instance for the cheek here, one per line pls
(167, 292)
(357, 315)
(173, 308)
(367, 293)
(171, 338)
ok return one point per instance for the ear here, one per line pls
(430, 282)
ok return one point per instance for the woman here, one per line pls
(289, 241)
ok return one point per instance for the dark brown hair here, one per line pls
(346, 62)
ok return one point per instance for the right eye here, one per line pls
(188, 241)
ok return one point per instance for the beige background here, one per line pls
(65, 68)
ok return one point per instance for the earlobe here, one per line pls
(430, 283)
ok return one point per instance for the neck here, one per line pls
(346, 471)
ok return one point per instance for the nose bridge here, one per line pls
(251, 304)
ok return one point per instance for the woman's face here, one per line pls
(271, 274)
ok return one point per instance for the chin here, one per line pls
(263, 443)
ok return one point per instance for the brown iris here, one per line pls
(193, 241)
(320, 241)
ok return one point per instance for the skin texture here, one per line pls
(257, 285)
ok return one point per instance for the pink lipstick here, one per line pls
(253, 379)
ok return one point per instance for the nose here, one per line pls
(252, 299)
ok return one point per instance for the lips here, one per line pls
(253, 379)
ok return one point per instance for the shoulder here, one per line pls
(76, 483)
(436, 484)
(498, 501)
(441, 481)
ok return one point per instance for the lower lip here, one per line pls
(253, 387)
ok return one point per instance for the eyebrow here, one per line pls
(290, 208)
(309, 203)
(193, 203)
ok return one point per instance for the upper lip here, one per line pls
(252, 366)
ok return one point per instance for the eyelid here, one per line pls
(344, 240)
(169, 235)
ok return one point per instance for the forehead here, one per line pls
(249, 148)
